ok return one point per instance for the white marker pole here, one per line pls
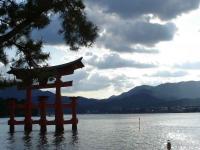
(139, 123)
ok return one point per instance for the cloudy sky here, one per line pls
(140, 42)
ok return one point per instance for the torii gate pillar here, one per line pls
(58, 107)
(28, 110)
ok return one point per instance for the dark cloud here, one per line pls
(146, 33)
(124, 36)
(189, 65)
(135, 49)
(126, 24)
(144, 50)
(113, 61)
(166, 74)
(164, 9)
(121, 38)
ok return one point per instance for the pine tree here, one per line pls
(18, 18)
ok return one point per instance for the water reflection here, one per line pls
(27, 140)
(41, 141)
(10, 140)
(74, 137)
(58, 139)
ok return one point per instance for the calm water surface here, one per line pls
(111, 132)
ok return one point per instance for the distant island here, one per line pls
(165, 98)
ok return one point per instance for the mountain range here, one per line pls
(168, 97)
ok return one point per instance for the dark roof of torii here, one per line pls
(61, 70)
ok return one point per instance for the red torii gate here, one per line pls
(42, 75)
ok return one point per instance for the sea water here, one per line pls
(111, 132)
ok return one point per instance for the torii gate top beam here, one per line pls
(46, 72)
